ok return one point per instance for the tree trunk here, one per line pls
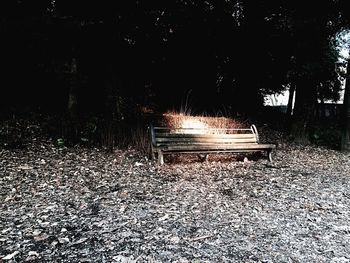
(345, 143)
(73, 90)
(113, 113)
(322, 109)
(304, 110)
(71, 126)
(290, 100)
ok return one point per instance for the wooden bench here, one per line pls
(204, 141)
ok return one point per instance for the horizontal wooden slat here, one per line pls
(209, 147)
(206, 129)
(205, 140)
(164, 145)
(202, 132)
(202, 136)
(214, 151)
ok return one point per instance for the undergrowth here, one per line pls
(17, 132)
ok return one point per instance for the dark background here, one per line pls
(111, 63)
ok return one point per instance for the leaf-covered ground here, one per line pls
(84, 205)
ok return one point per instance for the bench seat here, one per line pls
(186, 140)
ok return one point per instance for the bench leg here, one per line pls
(269, 154)
(160, 157)
(152, 155)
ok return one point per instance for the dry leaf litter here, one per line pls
(84, 205)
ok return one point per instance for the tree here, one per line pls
(227, 53)
(345, 22)
(345, 144)
(315, 60)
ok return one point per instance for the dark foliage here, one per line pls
(108, 63)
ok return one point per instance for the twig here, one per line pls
(199, 238)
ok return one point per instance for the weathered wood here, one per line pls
(213, 151)
(203, 136)
(191, 141)
(270, 156)
(152, 139)
(204, 140)
(208, 147)
(203, 129)
(160, 157)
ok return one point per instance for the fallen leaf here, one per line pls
(10, 256)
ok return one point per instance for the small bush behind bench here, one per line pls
(209, 140)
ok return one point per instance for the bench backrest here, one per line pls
(165, 136)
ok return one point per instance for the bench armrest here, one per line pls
(255, 131)
(152, 135)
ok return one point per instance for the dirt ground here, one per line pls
(85, 205)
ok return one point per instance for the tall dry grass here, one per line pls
(175, 120)
(137, 135)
